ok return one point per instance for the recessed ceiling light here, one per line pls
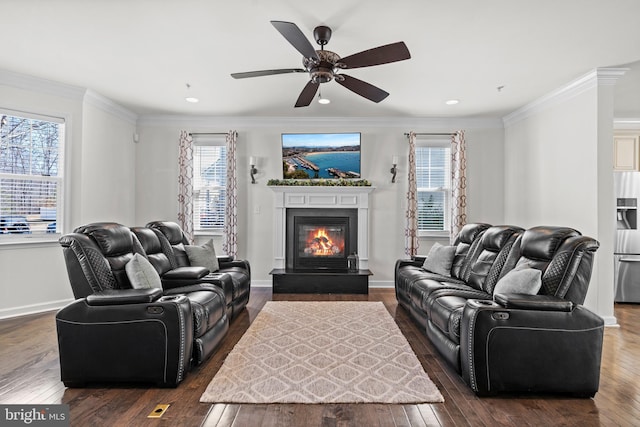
(191, 99)
(452, 102)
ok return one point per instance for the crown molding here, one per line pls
(30, 83)
(594, 78)
(626, 124)
(403, 123)
(105, 104)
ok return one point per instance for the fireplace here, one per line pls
(320, 239)
(321, 266)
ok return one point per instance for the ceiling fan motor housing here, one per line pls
(322, 34)
(322, 71)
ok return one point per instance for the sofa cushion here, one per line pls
(422, 289)
(445, 315)
(142, 274)
(207, 308)
(541, 243)
(113, 239)
(440, 259)
(495, 246)
(521, 280)
(203, 256)
(466, 243)
(156, 247)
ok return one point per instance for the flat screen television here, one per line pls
(320, 155)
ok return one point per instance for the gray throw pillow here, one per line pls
(203, 256)
(141, 273)
(440, 259)
(520, 281)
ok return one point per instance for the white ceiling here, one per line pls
(142, 53)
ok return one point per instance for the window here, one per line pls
(31, 175)
(209, 187)
(433, 181)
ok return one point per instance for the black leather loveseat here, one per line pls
(114, 332)
(530, 340)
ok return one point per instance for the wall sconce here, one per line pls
(252, 169)
(394, 169)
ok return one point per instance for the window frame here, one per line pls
(206, 141)
(438, 142)
(62, 180)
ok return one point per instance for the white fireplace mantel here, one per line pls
(330, 197)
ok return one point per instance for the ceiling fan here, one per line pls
(324, 65)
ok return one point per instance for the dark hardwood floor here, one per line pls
(29, 374)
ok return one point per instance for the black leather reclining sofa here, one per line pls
(115, 333)
(511, 342)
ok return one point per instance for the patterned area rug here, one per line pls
(322, 352)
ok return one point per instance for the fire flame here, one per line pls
(320, 244)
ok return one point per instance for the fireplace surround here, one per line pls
(331, 204)
(311, 197)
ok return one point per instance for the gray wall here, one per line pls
(559, 171)
(157, 169)
(548, 165)
(99, 185)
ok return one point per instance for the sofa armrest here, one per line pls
(146, 342)
(186, 273)
(124, 296)
(409, 262)
(530, 350)
(224, 258)
(183, 276)
(533, 302)
(230, 263)
(197, 287)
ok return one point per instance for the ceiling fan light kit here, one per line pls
(324, 66)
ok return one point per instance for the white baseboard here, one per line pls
(381, 284)
(7, 313)
(611, 321)
(372, 284)
(261, 283)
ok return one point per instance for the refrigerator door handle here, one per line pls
(629, 260)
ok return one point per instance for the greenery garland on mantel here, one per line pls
(320, 182)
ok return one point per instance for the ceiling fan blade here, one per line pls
(378, 55)
(364, 89)
(267, 73)
(307, 94)
(292, 33)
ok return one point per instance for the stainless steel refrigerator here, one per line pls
(627, 238)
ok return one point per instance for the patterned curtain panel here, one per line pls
(230, 245)
(458, 183)
(185, 184)
(411, 230)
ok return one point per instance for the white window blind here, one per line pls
(31, 175)
(209, 187)
(433, 179)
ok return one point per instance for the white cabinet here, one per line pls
(625, 153)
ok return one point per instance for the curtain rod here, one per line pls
(208, 133)
(433, 134)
